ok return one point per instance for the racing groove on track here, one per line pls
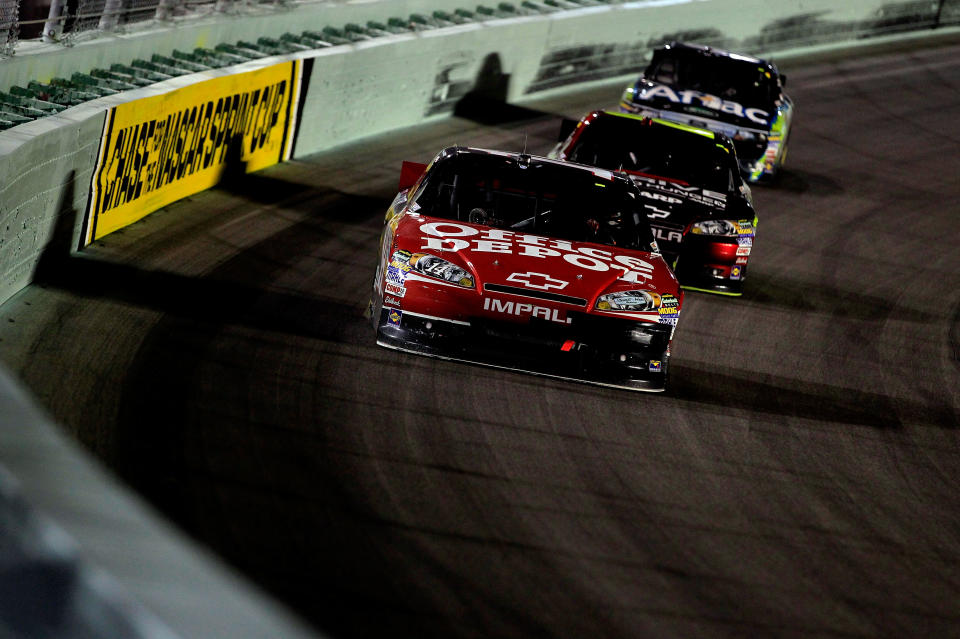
(799, 478)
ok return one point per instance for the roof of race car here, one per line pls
(631, 141)
(718, 53)
(707, 133)
(720, 139)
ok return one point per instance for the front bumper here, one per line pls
(598, 350)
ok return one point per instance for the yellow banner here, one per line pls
(160, 149)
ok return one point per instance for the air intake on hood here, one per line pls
(542, 295)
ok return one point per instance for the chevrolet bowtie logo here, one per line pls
(540, 281)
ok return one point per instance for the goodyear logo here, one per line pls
(159, 149)
(735, 272)
(393, 317)
(656, 365)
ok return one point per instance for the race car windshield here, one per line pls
(742, 81)
(626, 144)
(545, 199)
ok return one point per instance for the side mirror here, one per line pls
(410, 172)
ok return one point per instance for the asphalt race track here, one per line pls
(799, 478)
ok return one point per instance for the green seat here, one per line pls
(125, 78)
(26, 101)
(15, 118)
(460, 16)
(139, 72)
(58, 94)
(355, 32)
(283, 46)
(218, 58)
(155, 67)
(319, 40)
(420, 22)
(93, 91)
(334, 36)
(243, 52)
(540, 7)
(254, 48)
(178, 63)
(82, 79)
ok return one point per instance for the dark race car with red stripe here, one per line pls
(526, 263)
(699, 207)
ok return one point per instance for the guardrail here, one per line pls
(83, 160)
(60, 21)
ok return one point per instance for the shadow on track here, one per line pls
(798, 181)
(740, 390)
(797, 295)
(213, 299)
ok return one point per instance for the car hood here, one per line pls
(677, 200)
(502, 261)
(671, 206)
(693, 104)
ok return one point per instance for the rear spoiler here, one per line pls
(410, 172)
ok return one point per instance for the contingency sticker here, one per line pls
(394, 316)
(396, 290)
(669, 310)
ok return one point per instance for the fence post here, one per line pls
(166, 9)
(53, 27)
(111, 15)
(9, 23)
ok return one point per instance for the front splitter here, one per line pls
(505, 356)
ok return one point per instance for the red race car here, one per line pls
(526, 263)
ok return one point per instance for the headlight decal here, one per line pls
(718, 228)
(431, 266)
(666, 306)
(726, 228)
(630, 301)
